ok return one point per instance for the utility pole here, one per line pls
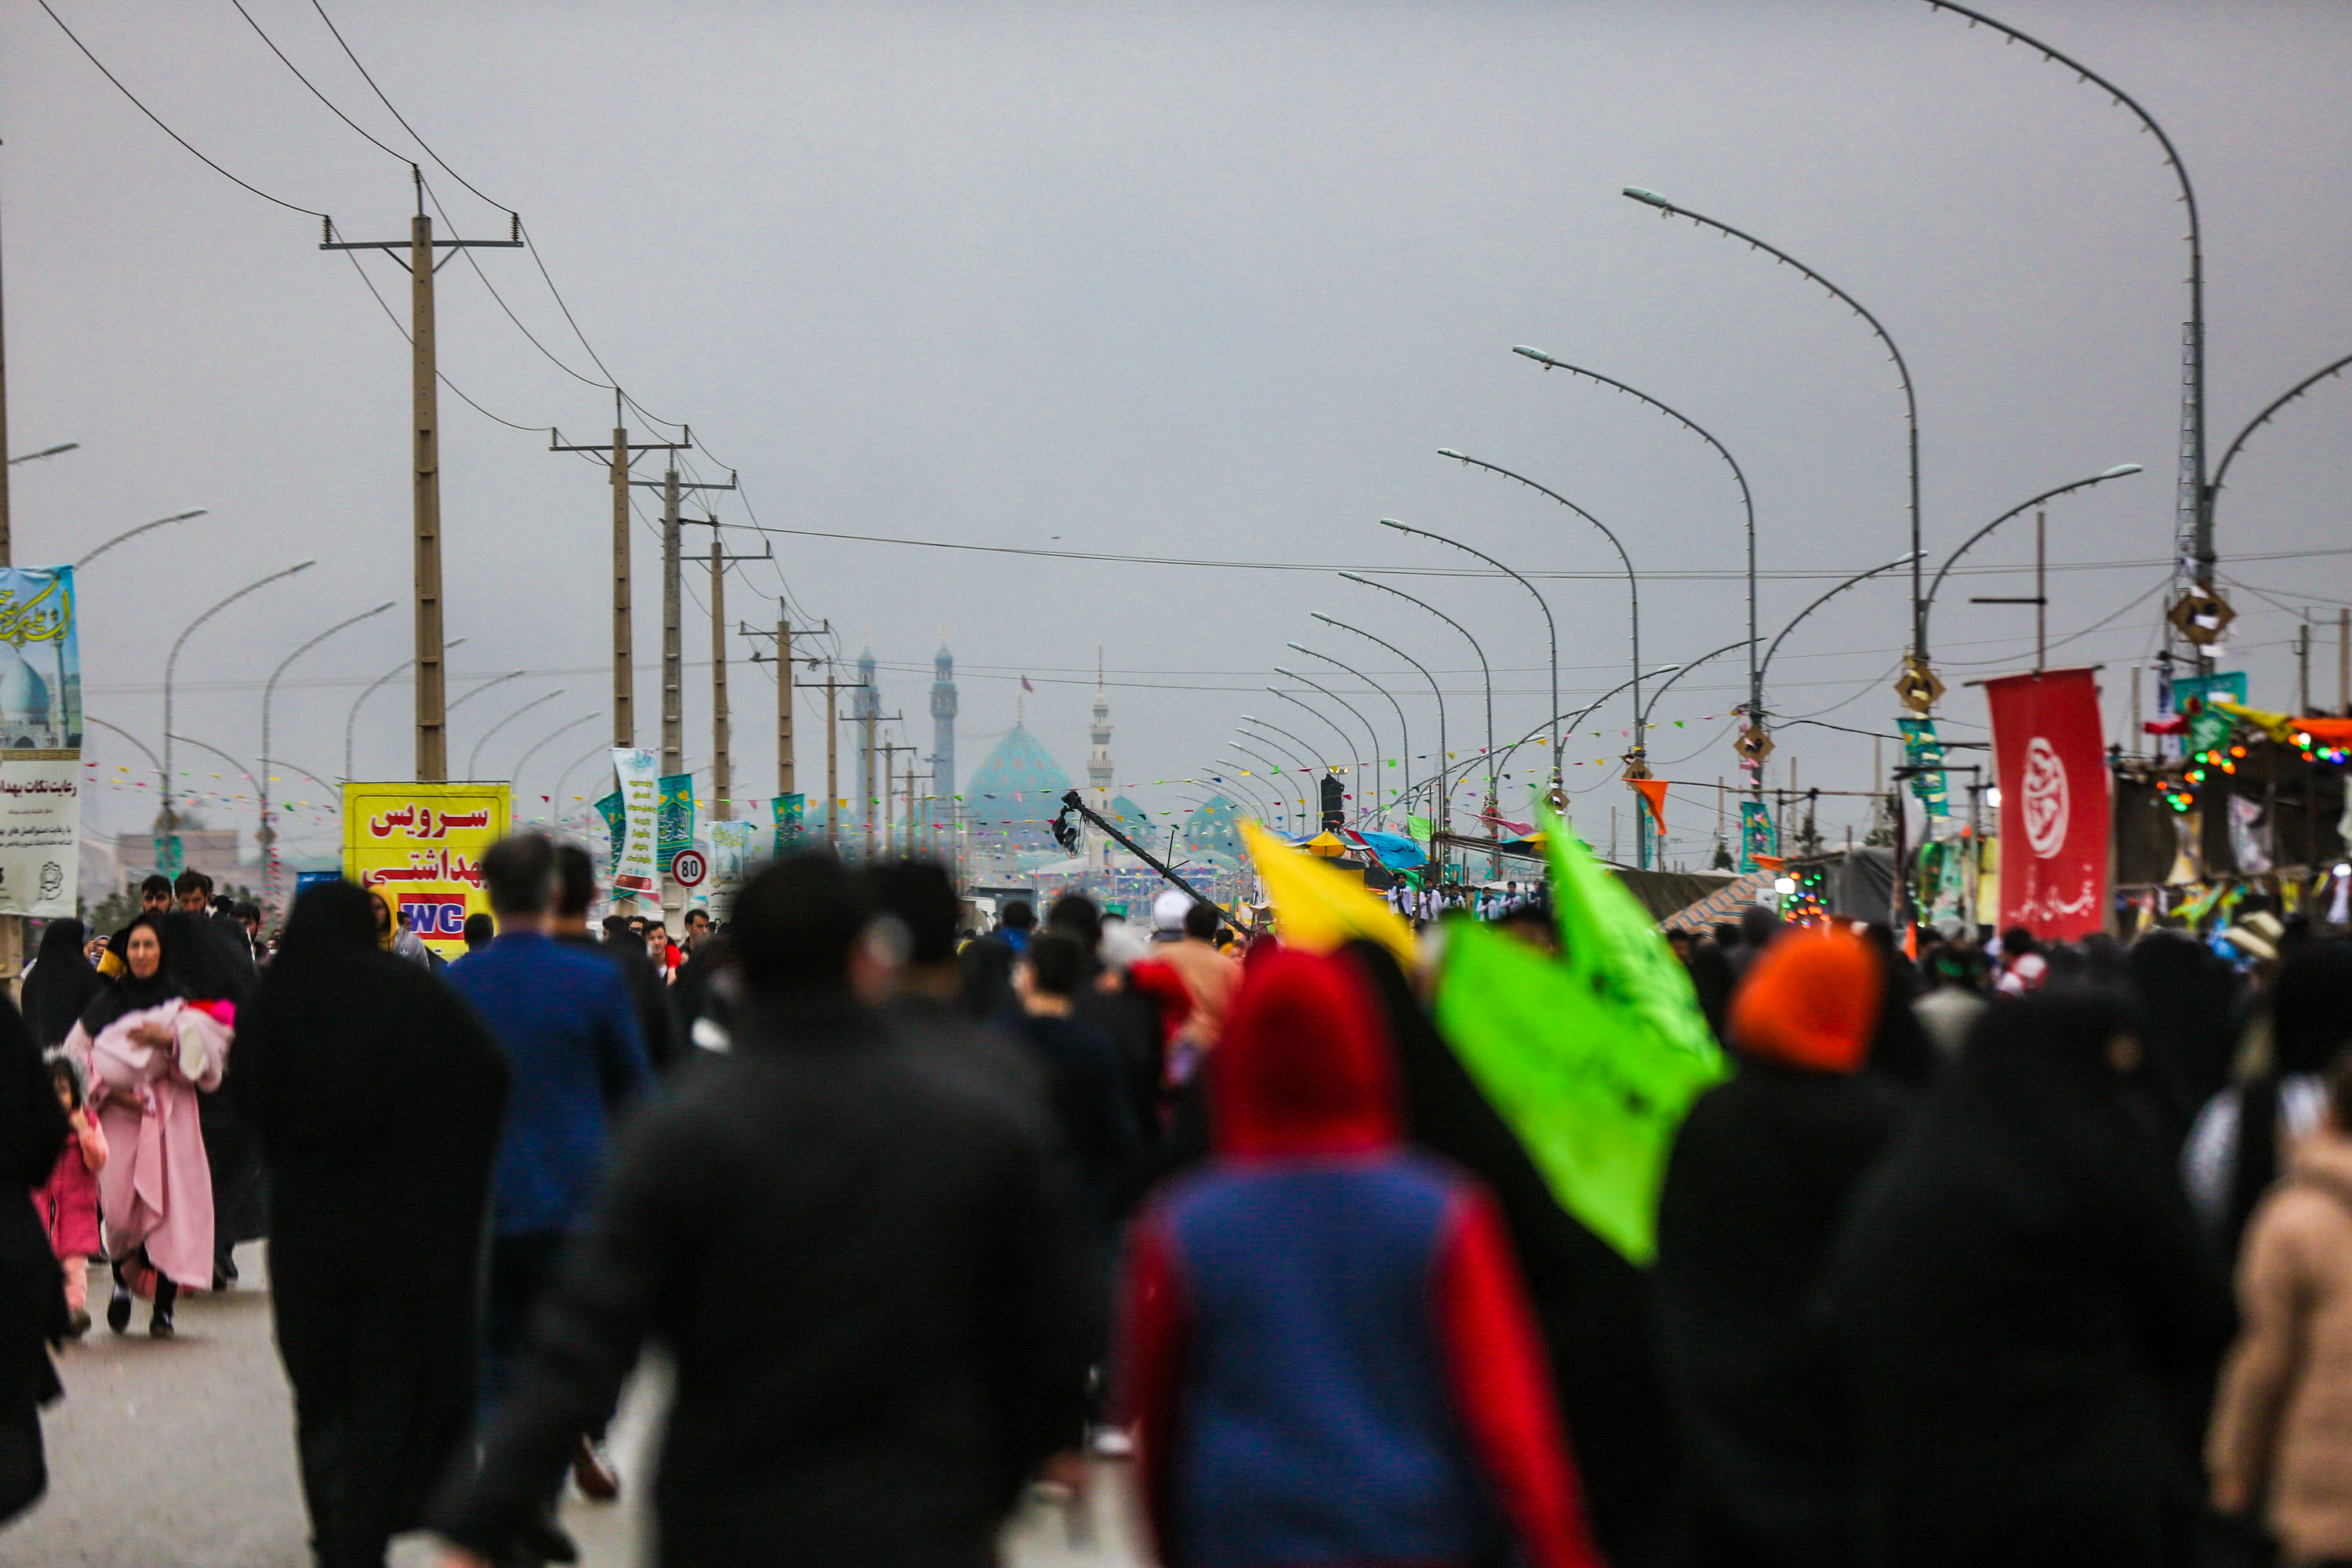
(12, 930)
(673, 717)
(620, 453)
(723, 765)
(832, 690)
(881, 797)
(432, 729)
(889, 833)
(786, 772)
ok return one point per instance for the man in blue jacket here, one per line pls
(568, 1025)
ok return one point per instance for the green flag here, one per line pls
(1592, 1058)
(1419, 828)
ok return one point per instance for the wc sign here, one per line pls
(435, 917)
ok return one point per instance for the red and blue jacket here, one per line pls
(1328, 1356)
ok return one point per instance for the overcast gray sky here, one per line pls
(1201, 280)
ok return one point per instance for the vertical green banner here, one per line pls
(790, 810)
(1756, 834)
(1921, 749)
(616, 824)
(675, 819)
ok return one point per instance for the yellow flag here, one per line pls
(1319, 907)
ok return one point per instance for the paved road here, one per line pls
(181, 1454)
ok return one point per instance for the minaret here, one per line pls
(1098, 764)
(1099, 769)
(944, 718)
(865, 704)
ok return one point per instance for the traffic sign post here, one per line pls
(688, 868)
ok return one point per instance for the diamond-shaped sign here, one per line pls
(2201, 615)
(1917, 685)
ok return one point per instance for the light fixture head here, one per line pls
(2119, 471)
(1651, 198)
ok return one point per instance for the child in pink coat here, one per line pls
(67, 1201)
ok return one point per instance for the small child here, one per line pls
(67, 1201)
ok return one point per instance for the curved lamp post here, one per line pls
(2118, 471)
(1632, 581)
(154, 761)
(475, 755)
(171, 663)
(1347, 746)
(268, 695)
(1438, 805)
(215, 751)
(1301, 760)
(133, 532)
(1485, 675)
(1256, 797)
(1405, 731)
(1363, 806)
(494, 680)
(1901, 370)
(1551, 630)
(537, 745)
(352, 719)
(1282, 801)
(1825, 598)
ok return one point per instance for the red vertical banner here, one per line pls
(2055, 805)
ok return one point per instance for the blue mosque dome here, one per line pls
(1016, 789)
(24, 701)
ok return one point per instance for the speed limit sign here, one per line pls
(687, 869)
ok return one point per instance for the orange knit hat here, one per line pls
(1811, 1001)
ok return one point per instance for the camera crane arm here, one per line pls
(1067, 837)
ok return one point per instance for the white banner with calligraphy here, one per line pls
(636, 869)
(40, 832)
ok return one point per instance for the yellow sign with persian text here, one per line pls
(421, 845)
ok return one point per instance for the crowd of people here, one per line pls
(930, 1220)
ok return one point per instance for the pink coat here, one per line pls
(67, 1201)
(157, 1190)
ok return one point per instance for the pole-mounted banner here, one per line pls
(2054, 808)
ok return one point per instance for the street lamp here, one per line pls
(1485, 675)
(1858, 577)
(1347, 746)
(130, 532)
(475, 755)
(1301, 762)
(1404, 733)
(44, 452)
(170, 666)
(1632, 590)
(1257, 798)
(154, 761)
(1903, 371)
(601, 749)
(1438, 807)
(1273, 770)
(524, 760)
(495, 680)
(1746, 501)
(215, 751)
(268, 692)
(1551, 631)
(1301, 770)
(352, 719)
(2118, 471)
(1363, 805)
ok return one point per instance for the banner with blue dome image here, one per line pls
(40, 742)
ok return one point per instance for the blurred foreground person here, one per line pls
(567, 925)
(898, 1339)
(2238, 1145)
(33, 1129)
(1086, 1080)
(1329, 1358)
(395, 938)
(61, 984)
(1758, 1179)
(1593, 1308)
(376, 1096)
(2010, 1298)
(2282, 1437)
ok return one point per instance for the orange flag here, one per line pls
(1653, 794)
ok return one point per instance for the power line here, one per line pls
(525, 429)
(405, 125)
(305, 81)
(450, 223)
(207, 163)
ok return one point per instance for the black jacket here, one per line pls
(2011, 1299)
(1762, 1172)
(648, 994)
(899, 1336)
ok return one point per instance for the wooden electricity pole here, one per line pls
(432, 729)
(890, 830)
(673, 717)
(722, 763)
(620, 454)
(787, 774)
